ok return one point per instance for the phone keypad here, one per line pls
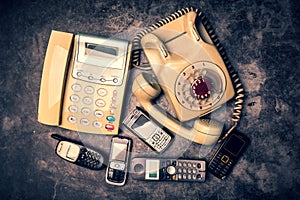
(183, 170)
(221, 165)
(115, 175)
(90, 159)
(92, 109)
(160, 140)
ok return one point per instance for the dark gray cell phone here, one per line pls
(228, 154)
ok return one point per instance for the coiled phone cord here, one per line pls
(239, 98)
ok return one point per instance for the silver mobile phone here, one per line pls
(147, 130)
(116, 172)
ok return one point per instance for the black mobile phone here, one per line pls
(177, 170)
(74, 152)
(116, 172)
(228, 154)
(147, 130)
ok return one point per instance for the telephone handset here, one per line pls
(83, 82)
(191, 73)
(204, 131)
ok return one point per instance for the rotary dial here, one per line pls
(200, 86)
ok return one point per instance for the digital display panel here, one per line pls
(101, 52)
(144, 127)
(234, 145)
(152, 170)
(119, 151)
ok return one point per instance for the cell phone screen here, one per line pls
(234, 145)
(144, 127)
(119, 151)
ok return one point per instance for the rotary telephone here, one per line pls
(192, 70)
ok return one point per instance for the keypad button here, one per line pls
(171, 170)
(102, 92)
(97, 124)
(99, 113)
(74, 98)
(73, 109)
(100, 103)
(89, 90)
(199, 176)
(179, 176)
(110, 118)
(109, 127)
(76, 87)
(72, 119)
(87, 100)
(115, 80)
(85, 111)
(84, 122)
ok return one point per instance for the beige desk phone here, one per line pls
(190, 71)
(83, 82)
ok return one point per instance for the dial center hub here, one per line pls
(201, 88)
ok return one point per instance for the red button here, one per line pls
(109, 127)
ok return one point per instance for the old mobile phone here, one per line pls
(147, 130)
(75, 152)
(178, 170)
(228, 154)
(116, 172)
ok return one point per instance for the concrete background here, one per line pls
(261, 39)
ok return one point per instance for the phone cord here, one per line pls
(238, 87)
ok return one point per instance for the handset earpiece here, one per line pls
(204, 131)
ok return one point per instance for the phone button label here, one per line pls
(99, 113)
(100, 103)
(87, 100)
(74, 98)
(102, 92)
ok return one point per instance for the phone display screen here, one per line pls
(144, 127)
(119, 151)
(234, 145)
(152, 170)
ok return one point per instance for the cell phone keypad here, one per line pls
(183, 170)
(160, 140)
(116, 171)
(90, 159)
(221, 165)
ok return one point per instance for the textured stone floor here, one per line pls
(261, 39)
